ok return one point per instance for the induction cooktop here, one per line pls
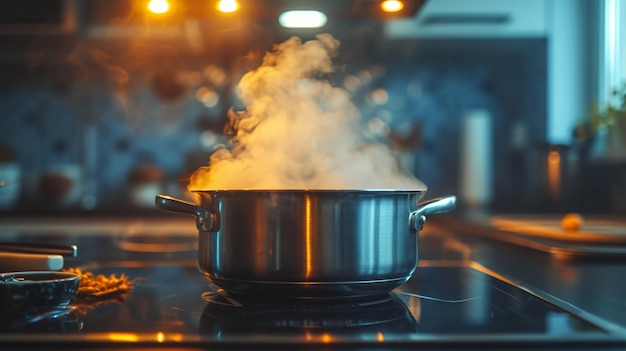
(445, 302)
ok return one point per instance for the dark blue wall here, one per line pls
(110, 109)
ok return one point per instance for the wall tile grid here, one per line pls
(429, 86)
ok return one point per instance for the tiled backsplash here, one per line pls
(115, 123)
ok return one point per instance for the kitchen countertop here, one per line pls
(592, 286)
(590, 277)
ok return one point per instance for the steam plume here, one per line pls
(299, 131)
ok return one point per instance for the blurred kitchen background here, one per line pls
(106, 103)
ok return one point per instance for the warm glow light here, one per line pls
(554, 174)
(302, 19)
(308, 234)
(392, 5)
(158, 6)
(327, 338)
(228, 6)
(127, 337)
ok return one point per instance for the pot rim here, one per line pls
(381, 190)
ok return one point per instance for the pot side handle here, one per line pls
(437, 205)
(205, 220)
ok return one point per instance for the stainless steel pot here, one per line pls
(308, 244)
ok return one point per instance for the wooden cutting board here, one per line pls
(593, 230)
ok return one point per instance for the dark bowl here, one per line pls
(36, 291)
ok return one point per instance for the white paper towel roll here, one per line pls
(476, 159)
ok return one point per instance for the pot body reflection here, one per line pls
(388, 314)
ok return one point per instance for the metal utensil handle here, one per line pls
(50, 249)
(433, 206)
(206, 221)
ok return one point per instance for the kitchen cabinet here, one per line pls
(36, 32)
(120, 19)
(570, 28)
(37, 17)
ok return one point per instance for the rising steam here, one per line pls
(299, 131)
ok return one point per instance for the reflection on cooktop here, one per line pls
(383, 314)
(61, 320)
(466, 299)
(444, 299)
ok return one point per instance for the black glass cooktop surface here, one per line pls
(451, 302)
(445, 302)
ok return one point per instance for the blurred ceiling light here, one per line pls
(302, 19)
(158, 6)
(392, 5)
(227, 6)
